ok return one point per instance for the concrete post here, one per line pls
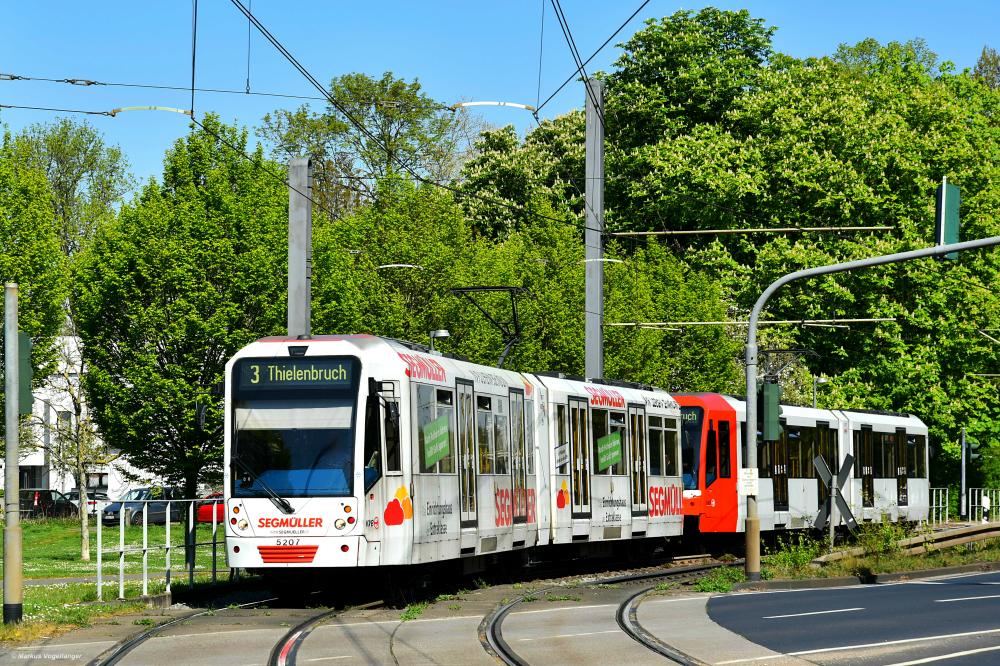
(13, 600)
(594, 233)
(299, 246)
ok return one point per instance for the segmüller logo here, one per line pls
(289, 521)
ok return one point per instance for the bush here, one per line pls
(720, 580)
(882, 538)
(792, 557)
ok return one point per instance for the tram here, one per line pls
(361, 451)
(888, 479)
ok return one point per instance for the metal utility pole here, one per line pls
(299, 245)
(13, 600)
(594, 201)
(752, 520)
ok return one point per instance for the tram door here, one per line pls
(637, 446)
(579, 439)
(902, 499)
(466, 422)
(779, 471)
(518, 462)
(864, 465)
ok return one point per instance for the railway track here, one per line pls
(122, 649)
(285, 651)
(491, 628)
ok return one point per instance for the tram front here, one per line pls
(290, 442)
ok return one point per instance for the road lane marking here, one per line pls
(866, 645)
(346, 656)
(839, 610)
(953, 655)
(588, 633)
(988, 596)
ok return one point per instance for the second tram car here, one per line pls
(888, 479)
(360, 451)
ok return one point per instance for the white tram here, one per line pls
(345, 451)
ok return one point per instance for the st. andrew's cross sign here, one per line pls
(836, 494)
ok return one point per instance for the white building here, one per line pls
(41, 463)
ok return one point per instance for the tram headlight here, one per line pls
(243, 525)
(340, 523)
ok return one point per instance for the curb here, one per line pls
(876, 579)
(794, 584)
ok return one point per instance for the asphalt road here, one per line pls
(954, 620)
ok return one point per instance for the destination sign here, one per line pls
(296, 373)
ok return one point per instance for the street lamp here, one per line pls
(816, 382)
(439, 333)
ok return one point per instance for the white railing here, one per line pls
(172, 511)
(939, 506)
(984, 504)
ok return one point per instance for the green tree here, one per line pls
(189, 272)
(87, 177)
(30, 256)
(988, 68)
(405, 132)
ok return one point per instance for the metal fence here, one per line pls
(984, 504)
(169, 511)
(939, 506)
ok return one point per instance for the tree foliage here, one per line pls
(191, 271)
(30, 256)
(87, 177)
(402, 132)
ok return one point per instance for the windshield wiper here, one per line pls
(275, 498)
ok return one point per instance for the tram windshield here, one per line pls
(692, 419)
(296, 440)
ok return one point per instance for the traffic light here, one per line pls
(25, 372)
(770, 408)
(946, 216)
(972, 447)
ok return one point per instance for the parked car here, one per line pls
(152, 501)
(212, 502)
(45, 503)
(93, 497)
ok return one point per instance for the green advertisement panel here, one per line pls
(609, 451)
(436, 440)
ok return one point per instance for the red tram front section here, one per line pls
(710, 462)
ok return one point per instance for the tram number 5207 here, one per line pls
(288, 542)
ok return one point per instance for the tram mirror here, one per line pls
(219, 388)
(931, 452)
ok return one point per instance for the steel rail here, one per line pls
(491, 632)
(115, 653)
(284, 651)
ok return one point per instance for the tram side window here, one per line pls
(807, 448)
(373, 444)
(725, 465)
(711, 455)
(562, 441)
(484, 433)
(916, 451)
(435, 430)
(501, 436)
(791, 438)
(393, 461)
(529, 435)
(655, 446)
(608, 441)
(671, 453)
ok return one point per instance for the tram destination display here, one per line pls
(296, 373)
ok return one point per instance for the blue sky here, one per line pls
(472, 50)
